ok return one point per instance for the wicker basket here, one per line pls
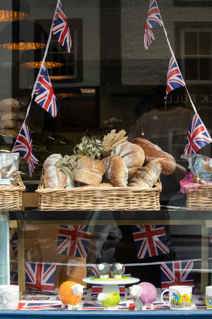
(99, 198)
(11, 196)
(200, 199)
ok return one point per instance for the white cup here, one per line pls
(208, 297)
(180, 297)
(9, 296)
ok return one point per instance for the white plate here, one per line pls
(111, 281)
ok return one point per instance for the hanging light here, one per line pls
(9, 15)
(61, 77)
(37, 64)
(13, 10)
(20, 36)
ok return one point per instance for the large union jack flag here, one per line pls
(40, 276)
(23, 145)
(153, 20)
(176, 273)
(197, 136)
(151, 241)
(44, 93)
(61, 29)
(73, 240)
(174, 77)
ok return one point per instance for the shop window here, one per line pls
(196, 49)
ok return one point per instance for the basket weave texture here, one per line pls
(99, 198)
(200, 199)
(11, 196)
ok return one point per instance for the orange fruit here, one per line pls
(67, 295)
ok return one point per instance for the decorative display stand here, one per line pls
(111, 285)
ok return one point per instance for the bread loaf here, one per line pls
(53, 177)
(132, 155)
(89, 171)
(116, 171)
(152, 151)
(147, 176)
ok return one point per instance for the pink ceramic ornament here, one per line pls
(148, 292)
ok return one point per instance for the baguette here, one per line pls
(153, 151)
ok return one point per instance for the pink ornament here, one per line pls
(148, 292)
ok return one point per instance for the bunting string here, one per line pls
(173, 55)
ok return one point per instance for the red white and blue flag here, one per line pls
(44, 93)
(40, 276)
(151, 240)
(23, 145)
(61, 29)
(197, 136)
(176, 273)
(73, 240)
(153, 20)
(174, 77)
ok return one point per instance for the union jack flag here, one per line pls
(197, 136)
(174, 77)
(151, 241)
(40, 276)
(153, 20)
(45, 96)
(176, 273)
(61, 29)
(73, 240)
(23, 145)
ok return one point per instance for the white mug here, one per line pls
(208, 297)
(9, 296)
(180, 297)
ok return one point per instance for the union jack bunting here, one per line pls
(40, 276)
(174, 77)
(153, 20)
(176, 273)
(23, 145)
(197, 136)
(73, 240)
(151, 241)
(61, 29)
(44, 93)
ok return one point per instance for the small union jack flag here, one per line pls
(44, 93)
(23, 145)
(176, 273)
(174, 77)
(197, 136)
(151, 241)
(153, 20)
(61, 29)
(40, 276)
(73, 240)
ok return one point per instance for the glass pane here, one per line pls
(205, 69)
(205, 43)
(190, 43)
(191, 69)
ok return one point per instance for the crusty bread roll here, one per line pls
(153, 151)
(89, 171)
(147, 176)
(132, 155)
(53, 177)
(116, 171)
